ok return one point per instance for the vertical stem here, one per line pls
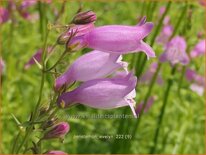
(160, 118)
(35, 113)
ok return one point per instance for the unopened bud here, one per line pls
(84, 17)
(55, 152)
(58, 131)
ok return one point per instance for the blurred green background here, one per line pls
(183, 127)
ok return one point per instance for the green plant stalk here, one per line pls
(162, 112)
(142, 65)
(35, 113)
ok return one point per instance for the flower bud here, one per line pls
(49, 123)
(84, 17)
(58, 131)
(55, 152)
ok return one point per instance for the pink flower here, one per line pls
(58, 131)
(148, 105)
(56, 152)
(93, 65)
(175, 52)
(37, 56)
(103, 93)
(4, 15)
(147, 77)
(198, 81)
(198, 50)
(119, 39)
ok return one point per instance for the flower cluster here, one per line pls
(109, 43)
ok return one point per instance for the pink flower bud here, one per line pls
(58, 131)
(198, 50)
(84, 17)
(56, 152)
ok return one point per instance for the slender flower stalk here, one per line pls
(151, 85)
(162, 112)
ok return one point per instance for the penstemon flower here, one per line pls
(119, 39)
(93, 65)
(103, 93)
(175, 52)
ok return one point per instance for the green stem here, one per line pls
(160, 118)
(154, 37)
(35, 113)
(57, 62)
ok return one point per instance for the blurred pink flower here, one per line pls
(147, 107)
(147, 77)
(165, 34)
(4, 15)
(198, 50)
(37, 56)
(198, 81)
(93, 65)
(175, 52)
(103, 93)
(202, 2)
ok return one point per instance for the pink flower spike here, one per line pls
(103, 93)
(93, 65)
(198, 50)
(175, 52)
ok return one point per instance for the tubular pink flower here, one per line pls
(175, 52)
(198, 50)
(37, 56)
(119, 39)
(58, 131)
(103, 93)
(56, 152)
(93, 65)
